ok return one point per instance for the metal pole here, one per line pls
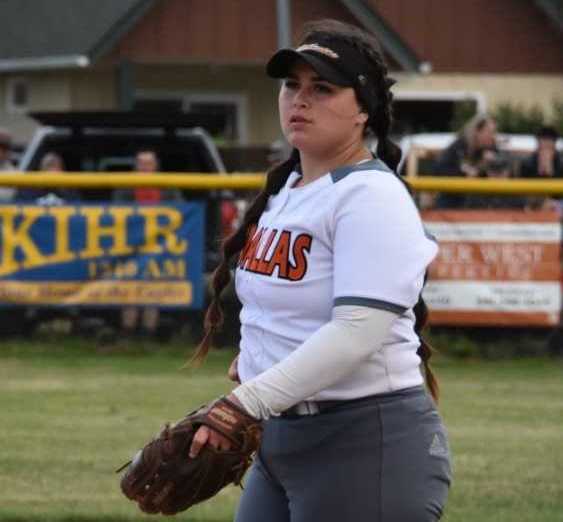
(125, 85)
(283, 9)
(283, 12)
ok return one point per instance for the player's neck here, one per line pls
(313, 167)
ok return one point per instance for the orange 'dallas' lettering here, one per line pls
(280, 257)
(244, 252)
(249, 251)
(262, 265)
(275, 254)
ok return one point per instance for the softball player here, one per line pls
(332, 257)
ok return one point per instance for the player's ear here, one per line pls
(362, 118)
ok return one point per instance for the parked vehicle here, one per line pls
(108, 142)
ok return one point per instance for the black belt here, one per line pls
(317, 407)
(311, 408)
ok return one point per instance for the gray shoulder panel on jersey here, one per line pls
(342, 172)
(430, 236)
(370, 303)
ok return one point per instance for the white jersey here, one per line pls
(353, 236)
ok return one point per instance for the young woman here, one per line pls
(332, 258)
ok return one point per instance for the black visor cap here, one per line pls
(281, 63)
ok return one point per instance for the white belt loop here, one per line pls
(313, 408)
(307, 408)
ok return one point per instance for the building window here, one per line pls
(436, 111)
(158, 105)
(229, 110)
(17, 95)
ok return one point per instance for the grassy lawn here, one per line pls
(71, 415)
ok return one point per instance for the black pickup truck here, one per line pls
(108, 142)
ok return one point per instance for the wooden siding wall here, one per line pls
(490, 36)
(477, 35)
(217, 31)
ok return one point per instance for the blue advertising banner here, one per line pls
(103, 254)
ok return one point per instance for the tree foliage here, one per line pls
(517, 119)
(513, 118)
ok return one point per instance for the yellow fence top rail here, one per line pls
(255, 181)
(539, 187)
(196, 181)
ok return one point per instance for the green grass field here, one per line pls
(71, 415)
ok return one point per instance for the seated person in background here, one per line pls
(51, 162)
(464, 157)
(498, 167)
(146, 163)
(48, 196)
(545, 163)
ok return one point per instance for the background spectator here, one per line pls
(545, 163)
(464, 157)
(473, 144)
(146, 163)
(6, 193)
(51, 162)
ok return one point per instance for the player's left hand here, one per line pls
(205, 435)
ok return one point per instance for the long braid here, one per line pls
(380, 111)
(390, 153)
(214, 317)
(425, 350)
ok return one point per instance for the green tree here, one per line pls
(516, 119)
(557, 120)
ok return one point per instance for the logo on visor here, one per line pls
(318, 49)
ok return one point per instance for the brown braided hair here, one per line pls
(378, 125)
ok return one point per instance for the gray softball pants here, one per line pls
(382, 458)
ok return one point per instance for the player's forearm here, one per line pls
(331, 353)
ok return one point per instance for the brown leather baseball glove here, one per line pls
(162, 478)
